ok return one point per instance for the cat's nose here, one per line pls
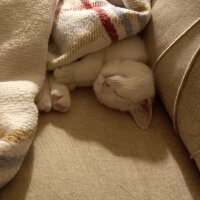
(106, 84)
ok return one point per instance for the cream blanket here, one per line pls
(25, 28)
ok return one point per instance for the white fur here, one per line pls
(84, 71)
(59, 96)
(123, 83)
(120, 78)
(43, 99)
(54, 96)
(127, 85)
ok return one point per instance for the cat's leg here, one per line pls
(82, 72)
(43, 99)
(59, 95)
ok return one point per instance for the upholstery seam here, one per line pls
(173, 43)
(181, 87)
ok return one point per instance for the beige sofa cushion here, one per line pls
(95, 153)
(173, 43)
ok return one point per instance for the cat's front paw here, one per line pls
(43, 99)
(60, 101)
(43, 103)
(64, 75)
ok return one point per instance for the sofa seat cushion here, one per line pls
(93, 152)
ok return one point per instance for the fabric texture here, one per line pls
(85, 26)
(96, 153)
(25, 27)
(73, 158)
(173, 44)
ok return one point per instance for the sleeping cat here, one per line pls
(119, 76)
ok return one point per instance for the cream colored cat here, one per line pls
(54, 96)
(119, 76)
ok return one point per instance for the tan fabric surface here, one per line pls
(95, 153)
(188, 113)
(176, 76)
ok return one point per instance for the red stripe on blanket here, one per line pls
(60, 11)
(87, 4)
(105, 20)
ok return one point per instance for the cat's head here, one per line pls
(127, 86)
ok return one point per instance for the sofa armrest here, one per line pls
(173, 43)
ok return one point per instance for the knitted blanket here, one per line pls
(84, 26)
(78, 27)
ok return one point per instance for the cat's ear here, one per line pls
(142, 113)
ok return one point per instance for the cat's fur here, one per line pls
(119, 76)
(54, 96)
